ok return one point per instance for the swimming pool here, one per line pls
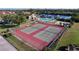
(46, 19)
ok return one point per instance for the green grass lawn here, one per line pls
(2, 29)
(71, 36)
(18, 44)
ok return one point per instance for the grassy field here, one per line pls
(71, 36)
(2, 29)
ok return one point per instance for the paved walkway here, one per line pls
(5, 45)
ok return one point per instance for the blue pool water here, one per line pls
(46, 19)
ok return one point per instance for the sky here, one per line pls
(65, 4)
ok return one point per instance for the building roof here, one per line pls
(7, 12)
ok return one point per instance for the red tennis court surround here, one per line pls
(38, 35)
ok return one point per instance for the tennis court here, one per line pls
(39, 35)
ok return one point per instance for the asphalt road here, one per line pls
(5, 45)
